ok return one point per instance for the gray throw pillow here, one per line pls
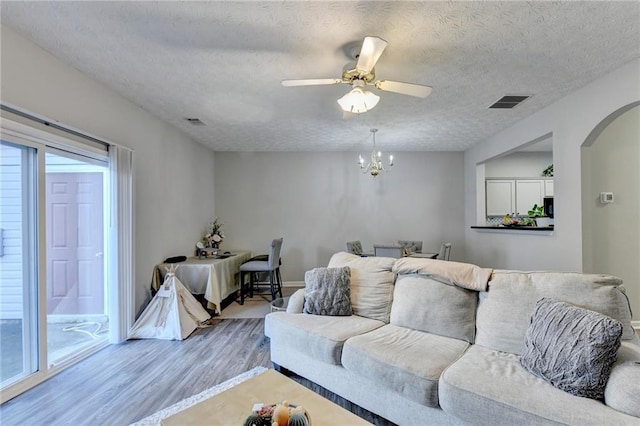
(328, 291)
(571, 348)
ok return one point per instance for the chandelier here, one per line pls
(375, 165)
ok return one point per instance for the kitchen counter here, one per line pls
(547, 230)
(520, 228)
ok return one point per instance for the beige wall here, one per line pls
(611, 232)
(318, 201)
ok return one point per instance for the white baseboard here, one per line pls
(636, 325)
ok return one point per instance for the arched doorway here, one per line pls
(610, 227)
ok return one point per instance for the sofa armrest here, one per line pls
(296, 302)
(621, 392)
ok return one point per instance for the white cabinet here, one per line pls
(528, 193)
(516, 196)
(501, 196)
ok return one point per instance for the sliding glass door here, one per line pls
(75, 241)
(55, 248)
(18, 263)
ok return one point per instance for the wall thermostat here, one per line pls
(606, 197)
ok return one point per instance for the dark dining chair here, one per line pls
(412, 246)
(354, 247)
(445, 251)
(254, 267)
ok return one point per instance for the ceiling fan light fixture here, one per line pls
(358, 101)
(361, 74)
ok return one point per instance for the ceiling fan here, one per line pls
(360, 100)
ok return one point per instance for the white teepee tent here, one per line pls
(172, 314)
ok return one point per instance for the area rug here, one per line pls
(257, 307)
(156, 418)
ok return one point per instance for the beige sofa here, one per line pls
(433, 342)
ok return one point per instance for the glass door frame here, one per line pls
(29, 265)
(28, 136)
(87, 165)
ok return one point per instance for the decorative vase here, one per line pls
(254, 419)
(298, 419)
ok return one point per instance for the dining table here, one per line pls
(424, 255)
(215, 277)
(417, 255)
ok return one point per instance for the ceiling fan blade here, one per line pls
(372, 48)
(410, 89)
(311, 82)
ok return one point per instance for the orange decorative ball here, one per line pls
(281, 415)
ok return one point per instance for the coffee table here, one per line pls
(232, 406)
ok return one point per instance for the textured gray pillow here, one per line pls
(570, 347)
(327, 291)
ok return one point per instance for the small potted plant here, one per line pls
(537, 213)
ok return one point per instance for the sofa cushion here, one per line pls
(505, 310)
(623, 394)
(327, 291)
(371, 284)
(409, 362)
(427, 304)
(571, 348)
(623, 388)
(485, 385)
(321, 337)
(296, 302)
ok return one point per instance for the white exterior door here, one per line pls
(75, 264)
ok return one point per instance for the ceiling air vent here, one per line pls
(509, 101)
(195, 121)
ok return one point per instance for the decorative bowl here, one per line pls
(266, 414)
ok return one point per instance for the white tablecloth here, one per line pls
(425, 255)
(215, 278)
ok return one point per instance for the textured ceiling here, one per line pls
(223, 62)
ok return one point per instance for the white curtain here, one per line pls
(121, 265)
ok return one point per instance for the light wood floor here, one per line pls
(127, 382)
